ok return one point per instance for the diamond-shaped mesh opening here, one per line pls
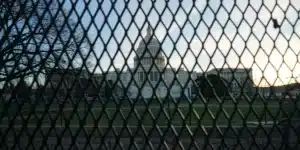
(149, 74)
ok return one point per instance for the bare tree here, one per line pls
(37, 34)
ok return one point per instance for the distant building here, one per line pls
(150, 76)
(240, 80)
(271, 91)
(292, 90)
(287, 91)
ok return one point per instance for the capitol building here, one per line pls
(150, 77)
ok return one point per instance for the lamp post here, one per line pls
(264, 93)
(61, 112)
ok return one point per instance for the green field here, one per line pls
(148, 115)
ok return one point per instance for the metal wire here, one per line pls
(149, 74)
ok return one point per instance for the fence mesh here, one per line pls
(148, 74)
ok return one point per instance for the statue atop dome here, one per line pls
(149, 30)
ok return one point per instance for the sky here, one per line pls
(198, 34)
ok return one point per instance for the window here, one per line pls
(141, 76)
(158, 61)
(124, 78)
(147, 61)
(151, 76)
(156, 76)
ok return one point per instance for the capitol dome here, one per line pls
(149, 44)
(149, 54)
(151, 41)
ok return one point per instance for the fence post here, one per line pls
(169, 106)
(61, 115)
(297, 105)
(191, 109)
(286, 136)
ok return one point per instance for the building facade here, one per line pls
(240, 80)
(150, 77)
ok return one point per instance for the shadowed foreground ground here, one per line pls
(154, 114)
(194, 125)
(128, 138)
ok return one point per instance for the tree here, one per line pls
(212, 84)
(108, 89)
(34, 35)
(21, 91)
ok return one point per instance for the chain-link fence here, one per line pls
(117, 74)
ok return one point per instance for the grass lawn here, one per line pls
(197, 114)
